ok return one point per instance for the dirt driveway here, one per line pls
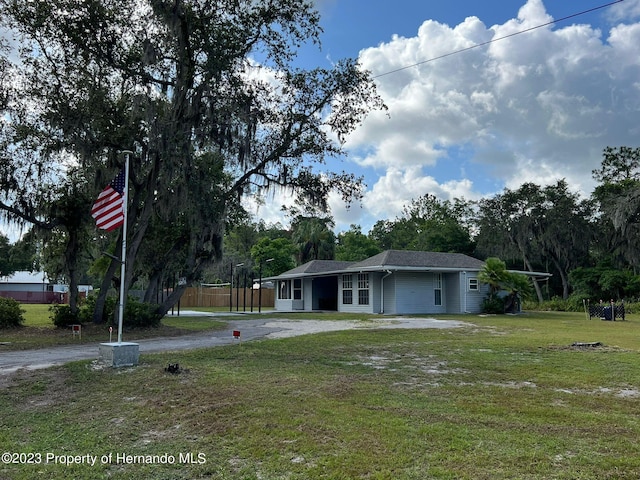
(266, 327)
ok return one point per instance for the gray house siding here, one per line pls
(453, 288)
(307, 294)
(474, 298)
(284, 288)
(355, 306)
(282, 304)
(415, 293)
(388, 304)
(376, 292)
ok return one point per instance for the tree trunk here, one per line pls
(171, 300)
(535, 282)
(71, 260)
(563, 277)
(98, 311)
(151, 292)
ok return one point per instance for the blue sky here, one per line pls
(537, 107)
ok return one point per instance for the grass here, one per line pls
(39, 332)
(37, 315)
(506, 397)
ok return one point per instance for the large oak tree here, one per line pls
(202, 92)
(548, 227)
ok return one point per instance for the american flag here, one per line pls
(108, 210)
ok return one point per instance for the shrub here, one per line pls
(136, 314)
(62, 317)
(493, 304)
(141, 315)
(85, 314)
(10, 313)
(556, 304)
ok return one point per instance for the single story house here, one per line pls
(35, 287)
(25, 282)
(29, 287)
(394, 282)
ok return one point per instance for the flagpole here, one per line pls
(123, 260)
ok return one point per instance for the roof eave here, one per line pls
(380, 268)
(377, 268)
(532, 274)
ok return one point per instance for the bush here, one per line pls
(85, 314)
(141, 315)
(556, 304)
(62, 316)
(10, 313)
(493, 304)
(136, 314)
(575, 304)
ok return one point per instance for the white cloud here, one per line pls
(385, 199)
(399, 187)
(624, 11)
(268, 207)
(536, 107)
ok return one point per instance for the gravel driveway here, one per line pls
(250, 329)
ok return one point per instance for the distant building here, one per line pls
(34, 287)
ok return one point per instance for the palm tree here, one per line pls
(516, 285)
(494, 273)
(314, 238)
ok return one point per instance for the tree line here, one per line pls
(590, 244)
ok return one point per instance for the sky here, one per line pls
(534, 107)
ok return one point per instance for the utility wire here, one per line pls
(497, 39)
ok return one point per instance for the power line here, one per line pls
(497, 39)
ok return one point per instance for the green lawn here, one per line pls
(39, 332)
(37, 315)
(506, 397)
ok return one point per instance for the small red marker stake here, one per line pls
(77, 330)
(236, 335)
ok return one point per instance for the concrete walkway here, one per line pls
(251, 328)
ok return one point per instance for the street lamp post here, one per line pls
(231, 291)
(237, 285)
(244, 292)
(260, 284)
(252, 280)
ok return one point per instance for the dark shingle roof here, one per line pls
(317, 267)
(405, 258)
(389, 259)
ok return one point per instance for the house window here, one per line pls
(473, 284)
(437, 292)
(347, 290)
(347, 297)
(297, 289)
(284, 292)
(363, 289)
(363, 297)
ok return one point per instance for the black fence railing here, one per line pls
(611, 311)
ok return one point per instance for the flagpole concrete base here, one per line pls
(124, 354)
